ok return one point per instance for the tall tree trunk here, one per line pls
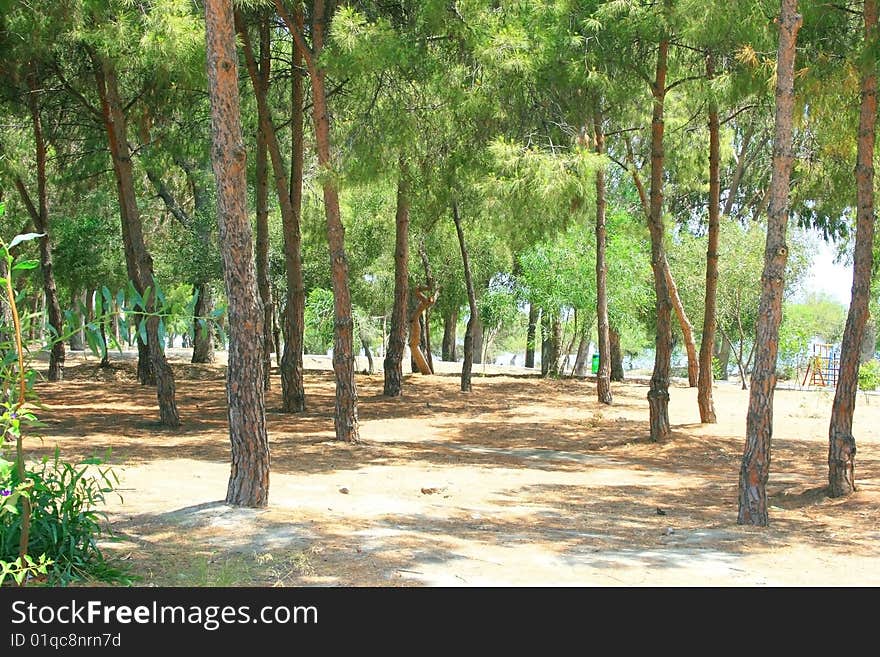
(366, 345)
(139, 262)
(546, 343)
(262, 202)
(687, 329)
(658, 394)
(530, 334)
(603, 376)
(467, 363)
(449, 322)
(555, 344)
(343, 340)
(203, 347)
(755, 467)
(40, 216)
(292, 391)
(292, 382)
(704, 387)
(581, 362)
(430, 283)
(616, 355)
(249, 476)
(479, 336)
(841, 443)
(393, 363)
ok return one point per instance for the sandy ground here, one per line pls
(523, 482)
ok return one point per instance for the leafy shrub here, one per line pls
(65, 525)
(869, 375)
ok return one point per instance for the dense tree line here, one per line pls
(354, 177)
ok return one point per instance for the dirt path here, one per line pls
(524, 482)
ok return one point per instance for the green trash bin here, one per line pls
(595, 363)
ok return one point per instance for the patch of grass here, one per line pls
(231, 569)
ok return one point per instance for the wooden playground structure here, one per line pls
(823, 366)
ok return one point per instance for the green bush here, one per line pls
(869, 375)
(65, 525)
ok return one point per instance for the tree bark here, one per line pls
(603, 376)
(479, 335)
(467, 363)
(616, 356)
(416, 333)
(581, 362)
(40, 217)
(534, 312)
(139, 262)
(555, 344)
(687, 329)
(841, 443)
(262, 201)
(449, 322)
(249, 476)
(658, 394)
(346, 418)
(292, 390)
(203, 347)
(430, 284)
(546, 343)
(393, 363)
(755, 467)
(704, 387)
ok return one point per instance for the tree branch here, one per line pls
(295, 27)
(77, 94)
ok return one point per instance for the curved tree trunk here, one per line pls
(755, 467)
(658, 394)
(603, 376)
(704, 387)
(416, 333)
(139, 262)
(467, 363)
(687, 329)
(581, 362)
(249, 477)
(393, 364)
(841, 443)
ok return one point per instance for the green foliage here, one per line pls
(819, 316)
(65, 523)
(318, 335)
(869, 375)
(47, 511)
